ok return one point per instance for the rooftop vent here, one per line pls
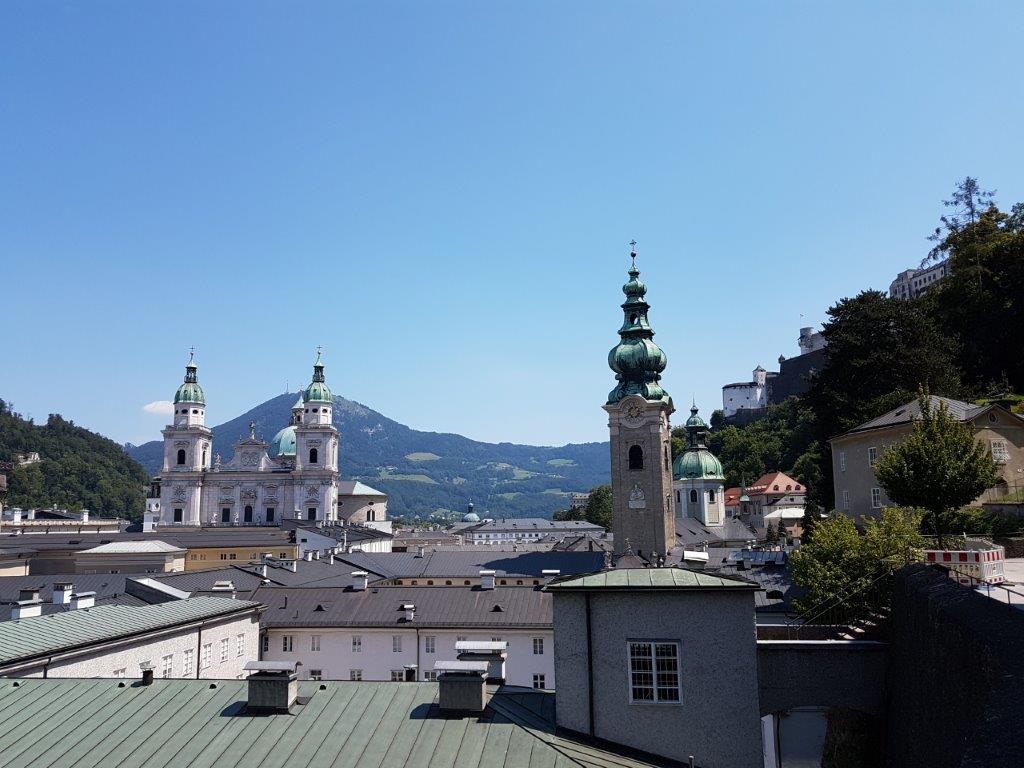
(83, 600)
(486, 579)
(359, 580)
(550, 573)
(461, 685)
(147, 673)
(226, 587)
(410, 611)
(28, 605)
(273, 685)
(62, 591)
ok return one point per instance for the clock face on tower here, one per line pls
(634, 411)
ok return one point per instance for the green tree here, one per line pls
(840, 565)
(771, 534)
(599, 506)
(812, 516)
(880, 351)
(939, 467)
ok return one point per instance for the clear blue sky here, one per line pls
(441, 194)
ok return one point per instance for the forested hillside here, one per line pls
(79, 468)
(424, 472)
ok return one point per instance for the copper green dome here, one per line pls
(696, 462)
(471, 517)
(317, 391)
(190, 391)
(637, 361)
(283, 444)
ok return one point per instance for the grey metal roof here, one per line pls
(533, 524)
(469, 563)
(22, 639)
(631, 579)
(186, 538)
(906, 413)
(381, 607)
(98, 723)
(109, 588)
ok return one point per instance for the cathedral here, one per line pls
(295, 476)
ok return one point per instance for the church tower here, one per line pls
(697, 476)
(187, 453)
(638, 420)
(316, 451)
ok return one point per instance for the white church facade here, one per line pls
(295, 476)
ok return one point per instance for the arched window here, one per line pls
(248, 513)
(181, 457)
(371, 515)
(711, 496)
(679, 497)
(693, 497)
(204, 457)
(312, 456)
(636, 457)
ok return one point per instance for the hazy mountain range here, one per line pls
(423, 472)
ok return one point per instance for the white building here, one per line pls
(397, 633)
(295, 476)
(746, 395)
(911, 283)
(698, 481)
(523, 530)
(205, 637)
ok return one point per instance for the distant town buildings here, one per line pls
(747, 400)
(911, 283)
(523, 529)
(854, 453)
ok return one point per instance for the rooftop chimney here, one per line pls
(273, 685)
(330, 558)
(486, 579)
(359, 580)
(308, 556)
(62, 591)
(226, 587)
(28, 604)
(410, 611)
(147, 673)
(419, 551)
(461, 685)
(550, 573)
(83, 600)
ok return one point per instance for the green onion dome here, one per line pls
(283, 444)
(696, 462)
(636, 360)
(471, 517)
(318, 391)
(190, 391)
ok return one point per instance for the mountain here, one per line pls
(77, 468)
(423, 472)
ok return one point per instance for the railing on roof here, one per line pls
(841, 614)
(975, 584)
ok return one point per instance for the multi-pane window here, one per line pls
(653, 672)
(316, 674)
(357, 643)
(397, 675)
(430, 675)
(240, 645)
(188, 661)
(1000, 453)
(846, 499)
(538, 646)
(355, 674)
(167, 666)
(876, 498)
(538, 681)
(429, 643)
(207, 658)
(287, 641)
(872, 455)
(842, 461)
(396, 643)
(495, 639)
(122, 672)
(266, 643)
(314, 642)
(224, 645)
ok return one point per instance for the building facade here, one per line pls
(638, 422)
(911, 283)
(854, 453)
(698, 480)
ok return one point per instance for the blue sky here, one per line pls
(441, 194)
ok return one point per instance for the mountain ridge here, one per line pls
(423, 472)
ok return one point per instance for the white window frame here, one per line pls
(287, 643)
(872, 455)
(355, 675)
(430, 675)
(225, 645)
(842, 461)
(188, 658)
(539, 680)
(397, 675)
(122, 672)
(167, 666)
(240, 644)
(653, 647)
(207, 656)
(430, 644)
(876, 498)
(314, 643)
(357, 643)
(316, 674)
(846, 499)
(396, 643)
(538, 646)
(266, 643)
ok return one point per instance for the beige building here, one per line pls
(131, 557)
(854, 453)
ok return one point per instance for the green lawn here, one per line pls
(422, 456)
(561, 463)
(385, 475)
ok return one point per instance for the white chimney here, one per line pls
(360, 579)
(330, 558)
(308, 556)
(225, 587)
(419, 551)
(486, 579)
(292, 565)
(28, 604)
(84, 515)
(62, 591)
(410, 611)
(83, 600)
(550, 573)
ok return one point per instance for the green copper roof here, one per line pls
(645, 579)
(190, 391)
(317, 391)
(283, 443)
(696, 462)
(23, 639)
(637, 361)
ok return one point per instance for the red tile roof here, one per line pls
(775, 483)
